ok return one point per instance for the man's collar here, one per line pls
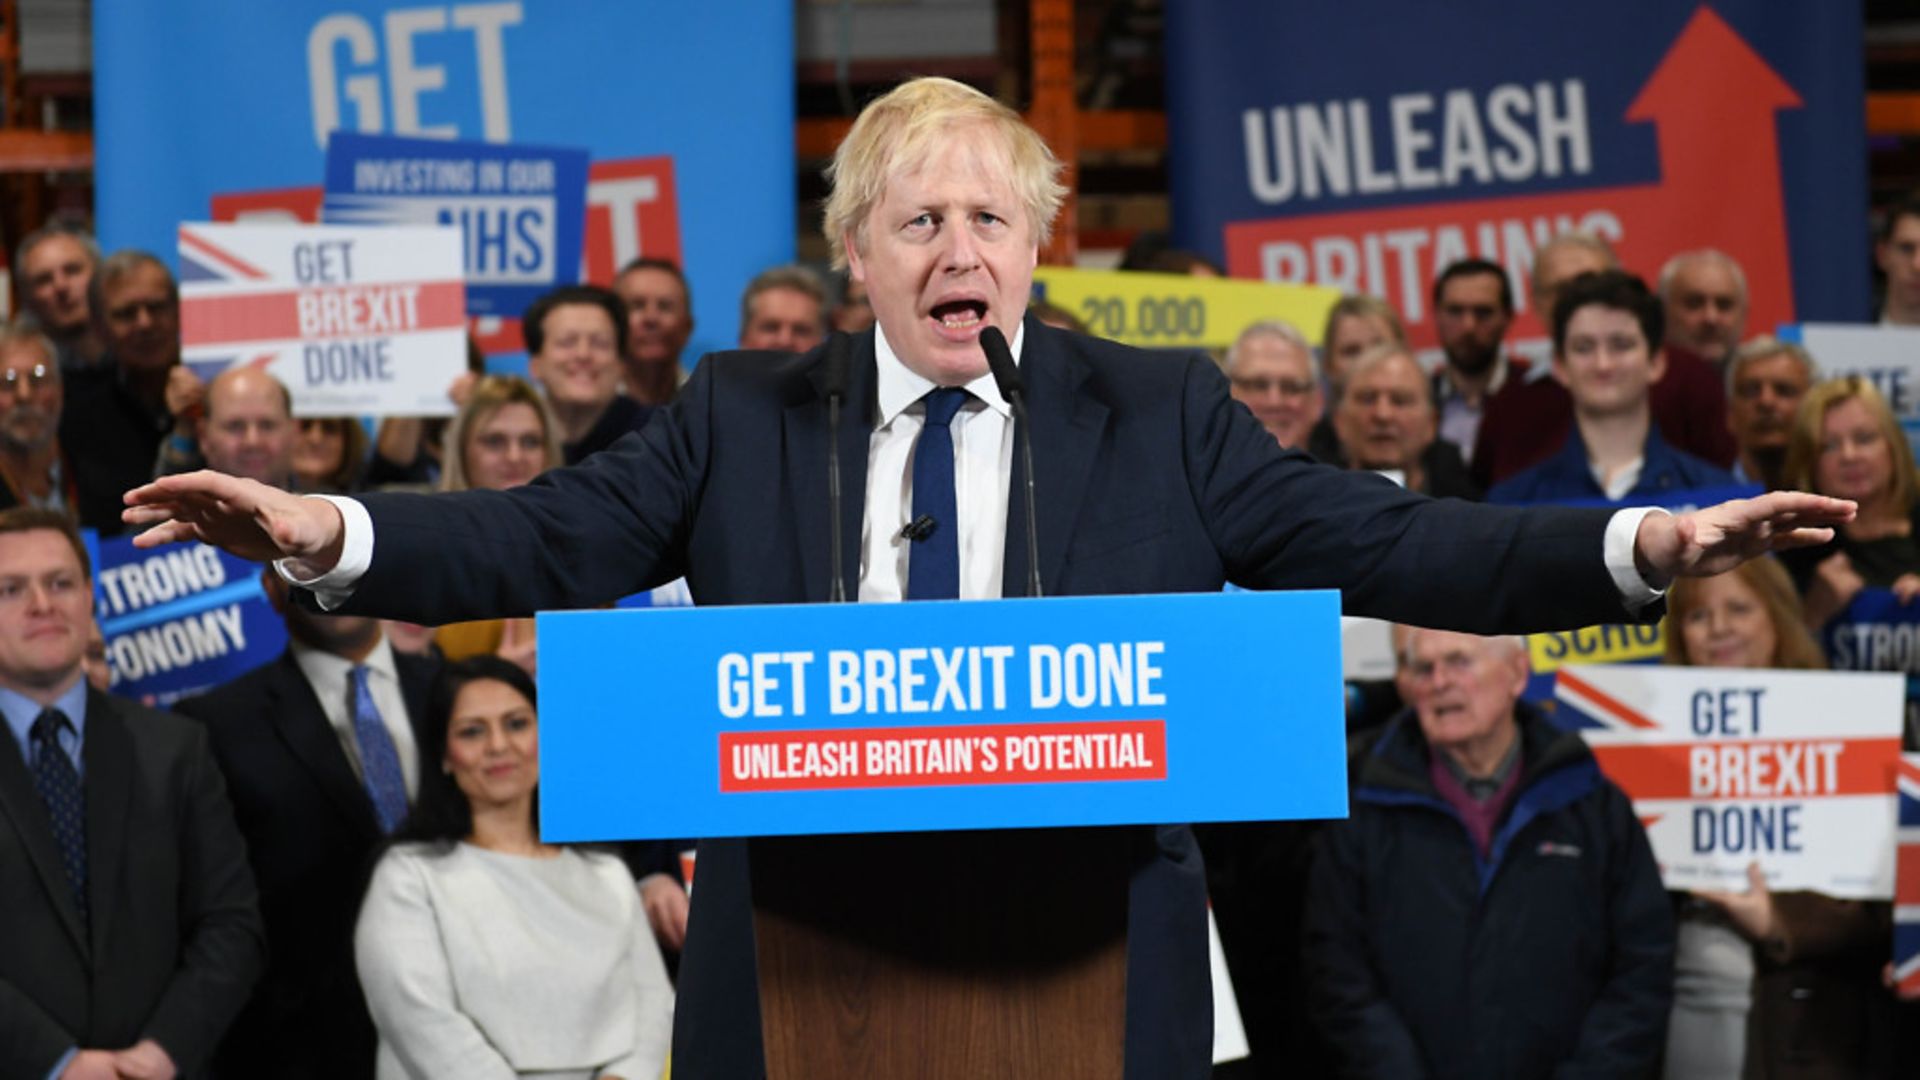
(21, 711)
(321, 667)
(1450, 384)
(901, 386)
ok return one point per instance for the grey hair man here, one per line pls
(1275, 374)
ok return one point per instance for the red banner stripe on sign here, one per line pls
(348, 311)
(853, 758)
(1907, 876)
(1753, 768)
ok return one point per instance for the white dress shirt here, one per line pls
(328, 675)
(983, 457)
(982, 470)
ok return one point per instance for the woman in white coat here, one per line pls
(485, 953)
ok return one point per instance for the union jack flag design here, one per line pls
(1906, 904)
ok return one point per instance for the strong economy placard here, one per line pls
(942, 715)
(180, 619)
(1792, 769)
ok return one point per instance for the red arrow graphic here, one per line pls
(1711, 100)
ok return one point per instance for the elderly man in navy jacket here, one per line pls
(1492, 907)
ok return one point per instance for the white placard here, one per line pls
(354, 321)
(1792, 769)
(1888, 356)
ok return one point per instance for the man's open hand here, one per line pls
(1716, 539)
(245, 517)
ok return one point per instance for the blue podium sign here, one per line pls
(765, 721)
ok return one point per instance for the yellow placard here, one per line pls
(1177, 311)
(1596, 645)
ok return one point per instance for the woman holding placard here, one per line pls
(1770, 984)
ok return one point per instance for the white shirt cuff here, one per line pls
(1621, 533)
(332, 588)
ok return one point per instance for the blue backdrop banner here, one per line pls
(762, 721)
(1367, 144)
(211, 109)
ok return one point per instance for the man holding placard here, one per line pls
(1149, 479)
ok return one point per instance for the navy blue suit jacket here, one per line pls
(171, 944)
(1567, 475)
(1150, 479)
(311, 838)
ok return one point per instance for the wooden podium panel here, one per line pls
(944, 954)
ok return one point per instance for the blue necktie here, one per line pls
(379, 761)
(933, 563)
(59, 785)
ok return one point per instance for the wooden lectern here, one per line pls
(996, 953)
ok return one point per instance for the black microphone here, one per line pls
(1006, 376)
(919, 528)
(836, 367)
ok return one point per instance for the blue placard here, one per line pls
(1875, 632)
(180, 619)
(762, 721)
(519, 208)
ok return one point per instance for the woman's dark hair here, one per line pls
(1614, 289)
(441, 813)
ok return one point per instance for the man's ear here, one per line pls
(856, 269)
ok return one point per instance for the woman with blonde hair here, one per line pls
(1846, 443)
(1769, 984)
(504, 436)
(1356, 325)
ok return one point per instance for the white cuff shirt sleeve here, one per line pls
(332, 588)
(1621, 532)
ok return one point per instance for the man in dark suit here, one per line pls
(1151, 479)
(128, 932)
(286, 735)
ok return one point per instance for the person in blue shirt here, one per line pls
(1606, 349)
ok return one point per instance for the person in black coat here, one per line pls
(1491, 907)
(129, 930)
(284, 736)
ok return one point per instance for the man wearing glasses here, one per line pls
(33, 470)
(1274, 374)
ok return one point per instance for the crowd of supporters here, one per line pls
(367, 855)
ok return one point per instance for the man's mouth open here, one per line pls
(959, 320)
